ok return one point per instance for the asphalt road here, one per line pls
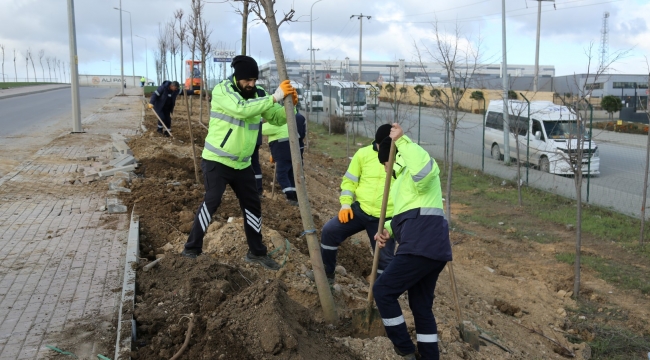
(23, 114)
(621, 166)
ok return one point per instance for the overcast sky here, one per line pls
(568, 28)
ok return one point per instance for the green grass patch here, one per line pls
(623, 275)
(605, 333)
(484, 192)
(149, 89)
(335, 145)
(8, 85)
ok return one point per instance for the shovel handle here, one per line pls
(163, 124)
(382, 218)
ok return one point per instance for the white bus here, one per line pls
(554, 137)
(344, 98)
(372, 97)
(300, 91)
(313, 100)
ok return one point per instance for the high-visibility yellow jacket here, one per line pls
(364, 182)
(418, 224)
(276, 133)
(235, 123)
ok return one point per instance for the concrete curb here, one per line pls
(125, 318)
(32, 92)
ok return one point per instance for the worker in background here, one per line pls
(420, 228)
(162, 102)
(362, 191)
(236, 109)
(142, 81)
(281, 154)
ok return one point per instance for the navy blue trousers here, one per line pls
(165, 116)
(335, 232)
(284, 174)
(417, 275)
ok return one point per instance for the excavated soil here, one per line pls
(241, 311)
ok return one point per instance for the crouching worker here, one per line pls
(162, 102)
(362, 190)
(420, 228)
(236, 108)
(281, 154)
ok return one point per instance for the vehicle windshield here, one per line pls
(564, 130)
(358, 96)
(317, 97)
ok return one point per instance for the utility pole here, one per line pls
(244, 27)
(121, 52)
(74, 71)
(504, 76)
(360, 17)
(311, 56)
(539, 21)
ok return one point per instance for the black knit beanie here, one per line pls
(382, 132)
(245, 67)
(384, 150)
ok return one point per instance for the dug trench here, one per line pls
(242, 311)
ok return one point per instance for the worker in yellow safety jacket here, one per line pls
(420, 228)
(236, 109)
(362, 191)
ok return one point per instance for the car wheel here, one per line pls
(544, 165)
(496, 153)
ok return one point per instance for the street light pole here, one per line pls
(122, 51)
(132, 59)
(146, 59)
(311, 54)
(74, 71)
(360, 17)
(539, 20)
(504, 75)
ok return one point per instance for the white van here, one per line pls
(313, 100)
(554, 132)
(372, 97)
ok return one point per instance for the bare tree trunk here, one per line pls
(449, 176)
(576, 270)
(244, 27)
(15, 69)
(521, 203)
(2, 47)
(324, 293)
(645, 175)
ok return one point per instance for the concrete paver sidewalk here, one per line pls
(61, 255)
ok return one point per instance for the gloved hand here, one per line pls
(345, 214)
(294, 97)
(150, 106)
(271, 159)
(284, 90)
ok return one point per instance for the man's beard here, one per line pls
(248, 93)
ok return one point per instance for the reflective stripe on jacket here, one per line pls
(364, 182)
(235, 124)
(419, 224)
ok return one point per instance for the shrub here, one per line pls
(338, 124)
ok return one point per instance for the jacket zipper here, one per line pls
(226, 138)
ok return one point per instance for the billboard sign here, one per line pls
(224, 55)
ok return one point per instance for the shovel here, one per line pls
(367, 322)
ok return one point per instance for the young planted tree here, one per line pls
(576, 140)
(479, 97)
(41, 53)
(27, 65)
(264, 9)
(2, 47)
(611, 104)
(181, 34)
(48, 61)
(31, 58)
(15, 69)
(204, 47)
(460, 58)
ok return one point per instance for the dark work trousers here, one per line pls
(284, 174)
(335, 232)
(417, 275)
(165, 116)
(255, 162)
(216, 177)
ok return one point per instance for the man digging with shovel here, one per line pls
(236, 109)
(420, 228)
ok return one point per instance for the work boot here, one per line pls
(412, 356)
(292, 198)
(263, 260)
(310, 276)
(191, 253)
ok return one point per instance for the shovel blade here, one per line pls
(367, 324)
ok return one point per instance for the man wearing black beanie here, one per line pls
(236, 109)
(362, 190)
